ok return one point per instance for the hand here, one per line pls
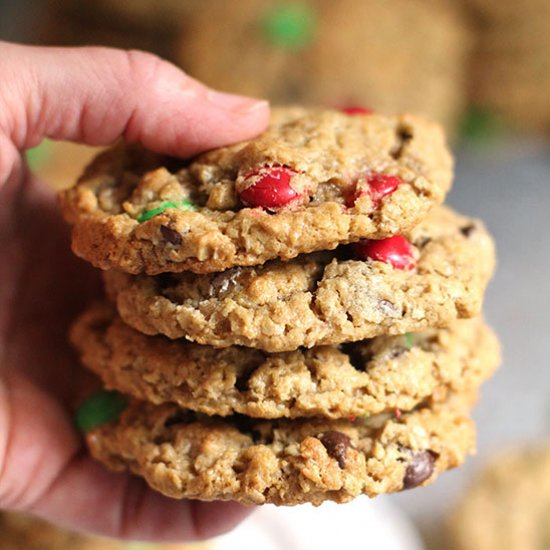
(92, 96)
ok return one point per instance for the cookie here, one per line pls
(489, 10)
(150, 25)
(284, 462)
(512, 495)
(351, 52)
(321, 298)
(369, 377)
(148, 13)
(512, 68)
(20, 532)
(312, 181)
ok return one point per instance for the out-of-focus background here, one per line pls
(481, 68)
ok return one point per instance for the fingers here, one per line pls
(11, 164)
(121, 506)
(36, 442)
(95, 95)
(43, 468)
(44, 471)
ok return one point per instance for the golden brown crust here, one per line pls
(369, 377)
(283, 462)
(329, 151)
(317, 299)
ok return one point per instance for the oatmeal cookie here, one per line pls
(284, 462)
(313, 180)
(369, 377)
(389, 287)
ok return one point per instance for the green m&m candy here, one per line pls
(481, 125)
(409, 340)
(39, 155)
(179, 205)
(98, 409)
(290, 26)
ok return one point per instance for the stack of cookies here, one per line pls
(292, 319)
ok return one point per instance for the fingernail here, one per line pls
(235, 103)
(256, 105)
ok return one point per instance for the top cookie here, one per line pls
(313, 180)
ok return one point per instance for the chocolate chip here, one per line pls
(170, 235)
(405, 134)
(467, 230)
(336, 444)
(397, 352)
(222, 282)
(420, 468)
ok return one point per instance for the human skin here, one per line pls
(92, 96)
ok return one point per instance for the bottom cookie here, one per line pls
(512, 495)
(187, 455)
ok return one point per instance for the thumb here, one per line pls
(96, 95)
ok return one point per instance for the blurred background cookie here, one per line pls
(434, 57)
(143, 24)
(511, 68)
(389, 55)
(507, 504)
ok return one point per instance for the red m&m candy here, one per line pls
(381, 185)
(270, 188)
(378, 187)
(357, 111)
(396, 251)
